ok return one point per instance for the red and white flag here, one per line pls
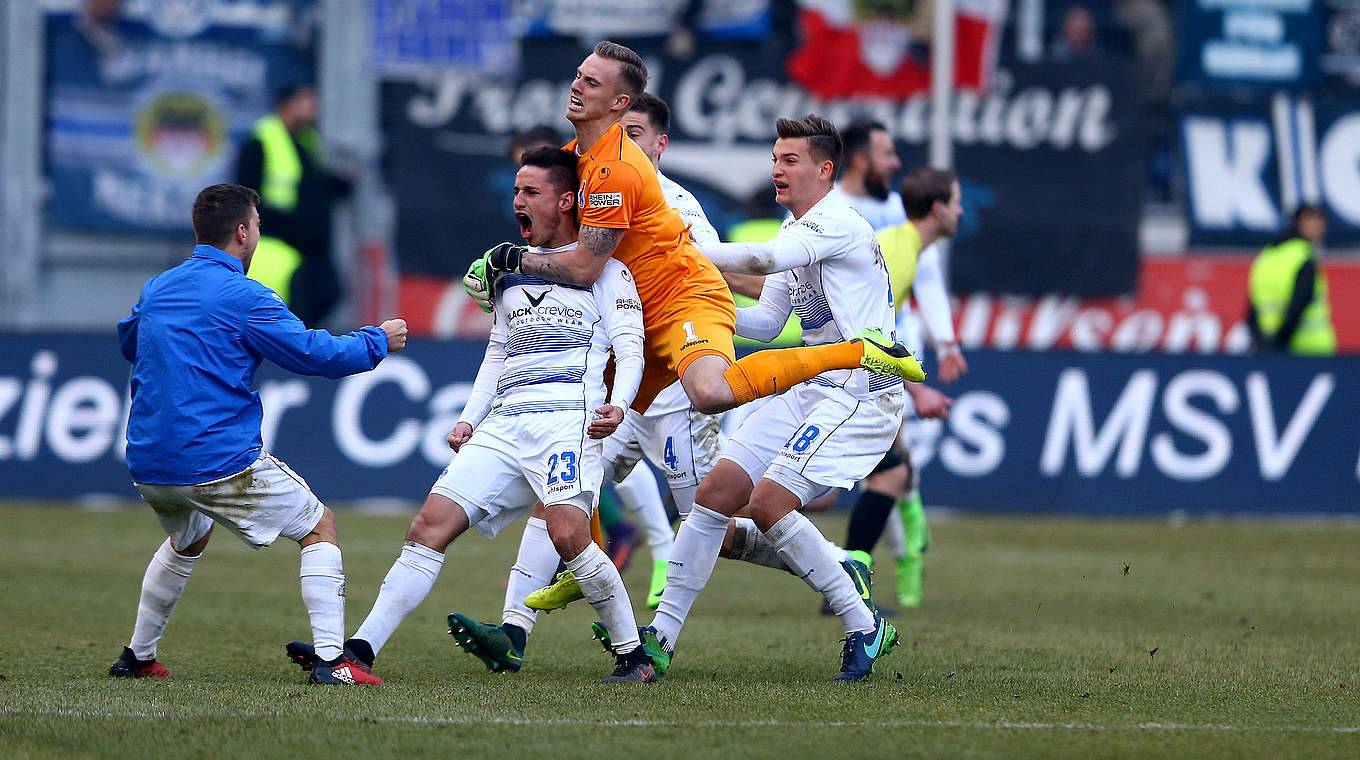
(851, 48)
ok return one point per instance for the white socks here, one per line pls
(750, 545)
(162, 586)
(804, 549)
(405, 587)
(533, 569)
(693, 555)
(639, 495)
(603, 588)
(322, 576)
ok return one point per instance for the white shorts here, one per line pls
(260, 503)
(512, 461)
(684, 445)
(813, 438)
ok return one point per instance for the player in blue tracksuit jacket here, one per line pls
(195, 339)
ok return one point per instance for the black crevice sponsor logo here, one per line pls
(535, 301)
(549, 311)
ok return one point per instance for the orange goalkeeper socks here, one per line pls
(766, 373)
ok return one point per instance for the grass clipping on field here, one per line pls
(1041, 637)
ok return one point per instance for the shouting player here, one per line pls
(687, 308)
(531, 429)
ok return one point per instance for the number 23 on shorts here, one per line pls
(567, 461)
(802, 438)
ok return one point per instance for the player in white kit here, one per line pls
(532, 427)
(825, 433)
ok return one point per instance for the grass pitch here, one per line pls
(1039, 637)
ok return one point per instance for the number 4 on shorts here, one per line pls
(671, 460)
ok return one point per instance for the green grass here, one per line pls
(1230, 639)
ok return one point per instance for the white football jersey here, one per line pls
(557, 339)
(673, 398)
(881, 214)
(691, 213)
(843, 291)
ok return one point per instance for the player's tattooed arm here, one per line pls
(581, 266)
(600, 241)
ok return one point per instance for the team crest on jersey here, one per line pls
(604, 172)
(606, 200)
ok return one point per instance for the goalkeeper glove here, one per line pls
(485, 274)
(474, 282)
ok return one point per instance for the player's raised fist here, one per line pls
(502, 258)
(608, 420)
(396, 334)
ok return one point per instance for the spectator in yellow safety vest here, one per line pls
(284, 162)
(1287, 305)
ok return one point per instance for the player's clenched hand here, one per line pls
(459, 435)
(502, 258)
(476, 285)
(930, 403)
(610, 417)
(952, 365)
(396, 334)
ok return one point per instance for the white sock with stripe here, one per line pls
(693, 556)
(533, 569)
(603, 588)
(804, 549)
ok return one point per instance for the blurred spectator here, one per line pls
(1287, 306)
(285, 163)
(537, 136)
(1077, 40)
(1154, 41)
(870, 163)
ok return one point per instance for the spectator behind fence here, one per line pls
(1287, 306)
(1077, 40)
(285, 163)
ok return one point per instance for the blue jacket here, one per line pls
(195, 340)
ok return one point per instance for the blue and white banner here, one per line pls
(418, 39)
(1250, 43)
(1249, 165)
(1031, 432)
(146, 108)
(613, 19)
